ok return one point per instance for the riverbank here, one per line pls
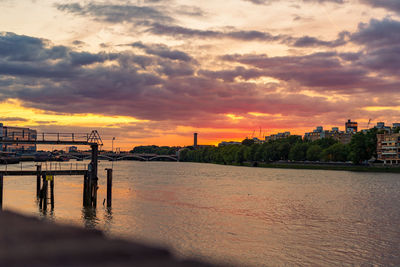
(353, 168)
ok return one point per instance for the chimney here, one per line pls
(195, 139)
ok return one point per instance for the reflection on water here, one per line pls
(238, 215)
(89, 217)
(91, 221)
(49, 215)
(108, 220)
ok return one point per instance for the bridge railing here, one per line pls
(83, 137)
(32, 135)
(74, 137)
(46, 166)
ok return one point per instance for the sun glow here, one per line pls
(234, 117)
(381, 108)
(23, 116)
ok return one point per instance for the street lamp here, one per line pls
(112, 146)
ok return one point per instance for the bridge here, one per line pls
(123, 156)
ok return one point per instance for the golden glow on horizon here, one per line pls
(234, 117)
(15, 108)
(381, 108)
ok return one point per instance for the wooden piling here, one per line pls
(109, 187)
(38, 175)
(1, 191)
(52, 192)
(43, 200)
(41, 193)
(86, 194)
(93, 175)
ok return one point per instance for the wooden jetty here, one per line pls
(46, 177)
(27, 241)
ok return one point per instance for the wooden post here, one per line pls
(44, 193)
(93, 175)
(1, 191)
(109, 187)
(52, 192)
(38, 174)
(86, 195)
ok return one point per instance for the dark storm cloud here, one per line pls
(78, 43)
(116, 13)
(381, 39)
(12, 119)
(152, 87)
(25, 48)
(158, 20)
(163, 51)
(174, 69)
(230, 75)
(178, 31)
(390, 5)
(386, 61)
(242, 35)
(321, 71)
(307, 41)
(378, 33)
(190, 11)
(340, 72)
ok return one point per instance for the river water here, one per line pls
(236, 215)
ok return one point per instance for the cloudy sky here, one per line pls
(155, 71)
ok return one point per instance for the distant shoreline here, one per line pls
(353, 168)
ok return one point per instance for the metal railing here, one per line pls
(92, 137)
(46, 166)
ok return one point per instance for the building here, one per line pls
(388, 148)
(274, 137)
(257, 141)
(17, 133)
(381, 126)
(320, 133)
(396, 125)
(351, 126)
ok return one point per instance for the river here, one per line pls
(238, 215)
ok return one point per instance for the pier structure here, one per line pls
(44, 178)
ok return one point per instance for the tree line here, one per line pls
(361, 148)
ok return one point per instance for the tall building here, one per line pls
(351, 126)
(195, 139)
(17, 133)
(388, 148)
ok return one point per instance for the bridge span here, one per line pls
(123, 156)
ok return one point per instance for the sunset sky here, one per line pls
(155, 71)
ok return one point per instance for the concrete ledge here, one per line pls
(27, 241)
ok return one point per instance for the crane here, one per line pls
(368, 123)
